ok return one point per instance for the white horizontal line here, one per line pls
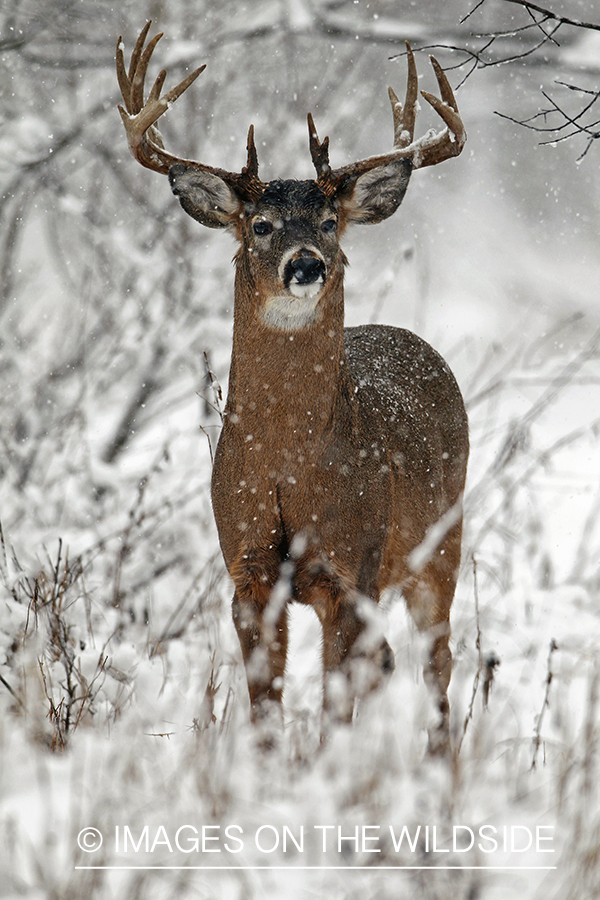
(319, 868)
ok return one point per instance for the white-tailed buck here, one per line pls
(341, 464)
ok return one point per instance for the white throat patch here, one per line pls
(291, 313)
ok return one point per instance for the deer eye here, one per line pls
(262, 227)
(329, 225)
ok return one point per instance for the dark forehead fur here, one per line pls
(286, 195)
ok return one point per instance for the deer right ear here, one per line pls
(377, 193)
(204, 196)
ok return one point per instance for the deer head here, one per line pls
(289, 231)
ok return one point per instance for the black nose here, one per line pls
(304, 270)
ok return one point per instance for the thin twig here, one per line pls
(537, 740)
(469, 714)
(11, 692)
(471, 12)
(538, 24)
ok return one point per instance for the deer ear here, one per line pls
(204, 196)
(377, 194)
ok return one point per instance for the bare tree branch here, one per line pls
(550, 14)
(576, 124)
(513, 45)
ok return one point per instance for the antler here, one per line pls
(146, 144)
(429, 150)
(139, 118)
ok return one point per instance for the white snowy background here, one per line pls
(122, 693)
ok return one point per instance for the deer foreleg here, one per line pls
(354, 654)
(260, 619)
(264, 659)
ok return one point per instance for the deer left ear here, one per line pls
(377, 194)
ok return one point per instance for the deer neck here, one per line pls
(287, 380)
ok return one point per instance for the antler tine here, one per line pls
(444, 85)
(446, 107)
(122, 77)
(251, 167)
(319, 151)
(125, 78)
(157, 86)
(139, 74)
(450, 116)
(137, 50)
(404, 117)
(450, 142)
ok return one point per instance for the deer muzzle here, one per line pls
(304, 273)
